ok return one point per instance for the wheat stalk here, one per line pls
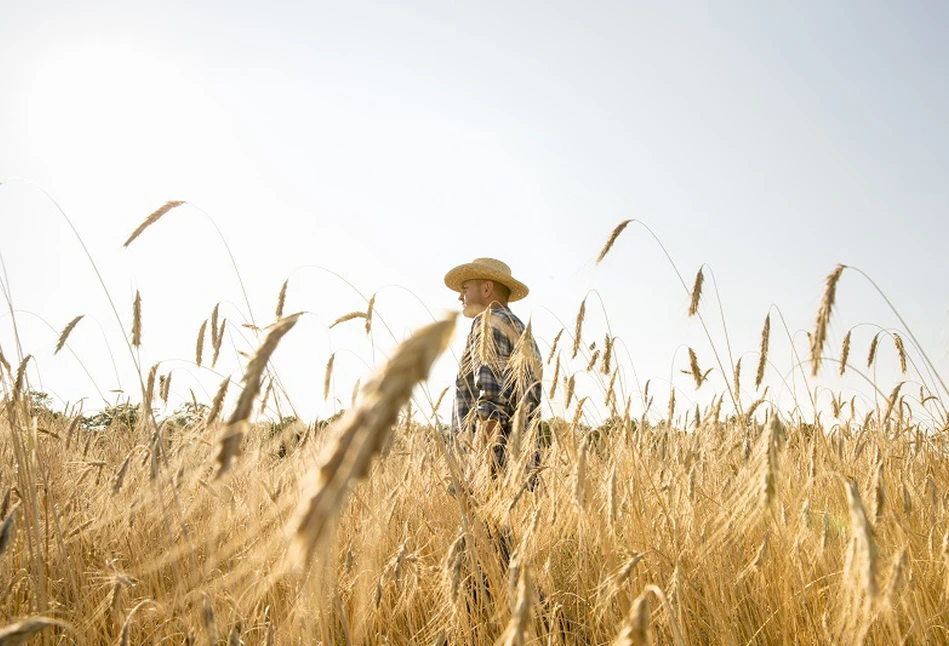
(736, 377)
(234, 430)
(696, 293)
(580, 477)
(635, 630)
(348, 317)
(21, 631)
(763, 350)
(214, 328)
(823, 318)
(21, 376)
(770, 463)
(873, 349)
(137, 320)
(65, 334)
(556, 379)
(199, 344)
(890, 403)
(863, 542)
(516, 632)
(879, 496)
(593, 359)
(607, 354)
(845, 353)
(218, 402)
(900, 351)
(553, 346)
(120, 475)
(281, 299)
(612, 239)
(328, 375)
(578, 328)
(568, 391)
(218, 343)
(362, 431)
(164, 388)
(5, 365)
(694, 368)
(152, 219)
(370, 308)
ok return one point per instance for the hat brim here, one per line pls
(455, 278)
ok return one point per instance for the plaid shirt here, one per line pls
(495, 376)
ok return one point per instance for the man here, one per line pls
(499, 378)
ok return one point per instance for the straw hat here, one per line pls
(486, 269)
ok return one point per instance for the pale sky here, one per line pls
(388, 142)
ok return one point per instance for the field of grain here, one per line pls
(735, 523)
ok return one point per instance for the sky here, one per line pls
(359, 148)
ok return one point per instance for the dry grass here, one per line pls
(740, 526)
(687, 503)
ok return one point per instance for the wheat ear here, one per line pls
(214, 328)
(348, 317)
(864, 542)
(218, 402)
(369, 310)
(900, 351)
(612, 239)
(694, 368)
(696, 293)
(282, 299)
(763, 351)
(152, 219)
(234, 431)
(137, 320)
(607, 354)
(65, 334)
(578, 328)
(199, 345)
(362, 431)
(635, 631)
(845, 353)
(823, 318)
(328, 376)
(553, 346)
(218, 343)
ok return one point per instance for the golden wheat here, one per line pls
(823, 318)
(66, 332)
(763, 351)
(230, 440)
(696, 294)
(611, 240)
(152, 219)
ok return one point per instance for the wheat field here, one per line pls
(736, 523)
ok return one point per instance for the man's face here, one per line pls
(473, 297)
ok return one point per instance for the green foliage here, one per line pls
(276, 428)
(41, 401)
(188, 415)
(122, 415)
(322, 424)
